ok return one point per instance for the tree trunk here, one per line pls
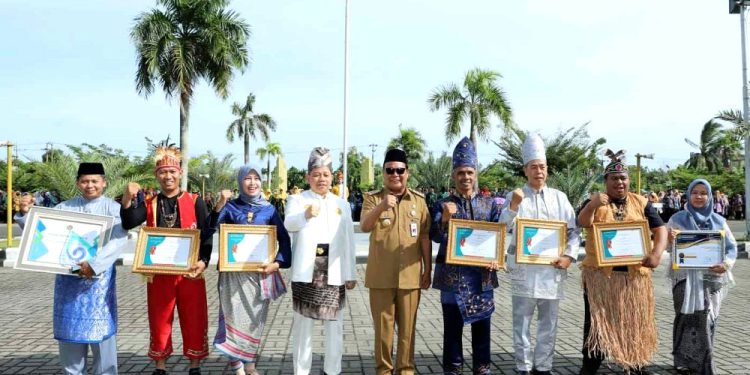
(473, 138)
(184, 119)
(247, 148)
(268, 170)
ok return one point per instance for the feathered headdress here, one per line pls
(617, 162)
(166, 155)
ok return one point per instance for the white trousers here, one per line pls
(302, 344)
(523, 313)
(73, 357)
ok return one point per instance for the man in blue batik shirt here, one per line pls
(85, 307)
(466, 292)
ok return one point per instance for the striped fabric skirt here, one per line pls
(242, 315)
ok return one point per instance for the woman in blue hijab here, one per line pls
(245, 296)
(698, 293)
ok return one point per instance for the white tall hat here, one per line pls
(533, 148)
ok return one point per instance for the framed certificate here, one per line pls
(167, 251)
(246, 247)
(56, 240)
(621, 243)
(540, 241)
(475, 243)
(700, 249)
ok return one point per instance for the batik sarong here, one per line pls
(693, 334)
(317, 299)
(242, 315)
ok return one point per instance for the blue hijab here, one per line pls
(703, 217)
(252, 200)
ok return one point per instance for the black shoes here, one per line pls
(520, 372)
(536, 372)
(193, 371)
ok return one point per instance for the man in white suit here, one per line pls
(323, 263)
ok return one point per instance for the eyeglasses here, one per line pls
(398, 171)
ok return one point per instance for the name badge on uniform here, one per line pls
(413, 229)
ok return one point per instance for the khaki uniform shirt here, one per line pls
(395, 257)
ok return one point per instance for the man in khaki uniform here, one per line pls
(399, 262)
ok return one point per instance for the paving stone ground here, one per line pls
(27, 347)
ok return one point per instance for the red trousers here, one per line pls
(166, 291)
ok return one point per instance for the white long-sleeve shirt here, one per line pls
(540, 281)
(332, 226)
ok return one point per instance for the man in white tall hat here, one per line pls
(537, 286)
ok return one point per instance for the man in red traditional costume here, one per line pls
(173, 208)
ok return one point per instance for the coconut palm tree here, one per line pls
(181, 42)
(248, 124)
(717, 149)
(409, 140)
(476, 101)
(271, 149)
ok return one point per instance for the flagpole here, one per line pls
(346, 94)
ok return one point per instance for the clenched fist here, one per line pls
(516, 198)
(24, 203)
(131, 191)
(312, 211)
(224, 197)
(388, 202)
(449, 209)
(600, 199)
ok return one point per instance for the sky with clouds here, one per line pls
(645, 74)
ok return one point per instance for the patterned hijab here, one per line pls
(253, 200)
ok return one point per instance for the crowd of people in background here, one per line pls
(667, 203)
(670, 202)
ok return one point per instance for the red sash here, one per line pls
(185, 207)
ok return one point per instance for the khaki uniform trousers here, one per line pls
(399, 306)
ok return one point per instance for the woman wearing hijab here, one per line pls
(698, 293)
(323, 266)
(244, 297)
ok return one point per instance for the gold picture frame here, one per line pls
(524, 233)
(178, 244)
(484, 234)
(634, 243)
(262, 238)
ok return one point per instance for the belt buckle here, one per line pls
(320, 250)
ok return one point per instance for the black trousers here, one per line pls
(453, 356)
(592, 361)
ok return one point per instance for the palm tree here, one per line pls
(717, 149)
(410, 141)
(574, 181)
(60, 174)
(433, 172)
(182, 42)
(248, 124)
(734, 116)
(478, 100)
(271, 149)
(219, 171)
